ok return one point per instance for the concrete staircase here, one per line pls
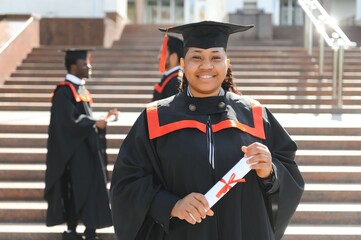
(283, 78)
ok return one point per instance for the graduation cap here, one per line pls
(206, 34)
(175, 45)
(72, 55)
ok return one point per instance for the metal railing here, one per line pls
(331, 33)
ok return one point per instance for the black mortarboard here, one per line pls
(77, 54)
(206, 34)
(175, 45)
(72, 54)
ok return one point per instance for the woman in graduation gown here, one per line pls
(181, 146)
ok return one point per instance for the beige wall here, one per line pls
(15, 50)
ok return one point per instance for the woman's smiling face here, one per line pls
(205, 70)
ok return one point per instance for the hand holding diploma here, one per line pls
(231, 178)
(261, 160)
(195, 206)
(112, 115)
(192, 208)
(257, 157)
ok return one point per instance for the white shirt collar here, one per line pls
(172, 70)
(74, 79)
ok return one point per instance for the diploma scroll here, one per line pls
(231, 178)
(112, 118)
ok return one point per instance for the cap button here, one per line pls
(192, 107)
(221, 105)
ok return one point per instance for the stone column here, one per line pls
(358, 13)
(139, 11)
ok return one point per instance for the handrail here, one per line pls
(330, 33)
(12, 38)
(23, 39)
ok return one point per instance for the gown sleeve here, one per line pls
(67, 114)
(140, 204)
(290, 183)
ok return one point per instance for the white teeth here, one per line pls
(206, 76)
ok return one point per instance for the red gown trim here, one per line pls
(159, 88)
(155, 130)
(77, 96)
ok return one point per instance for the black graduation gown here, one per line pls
(168, 85)
(165, 157)
(73, 143)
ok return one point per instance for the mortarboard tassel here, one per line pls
(164, 53)
(89, 57)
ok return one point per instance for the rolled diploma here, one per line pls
(231, 178)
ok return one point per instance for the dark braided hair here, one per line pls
(228, 83)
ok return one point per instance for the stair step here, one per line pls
(312, 174)
(337, 193)
(315, 124)
(37, 155)
(22, 190)
(331, 174)
(247, 90)
(340, 193)
(327, 214)
(326, 232)
(328, 157)
(114, 140)
(321, 213)
(9, 140)
(328, 142)
(40, 98)
(28, 172)
(38, 231)
(138, 107)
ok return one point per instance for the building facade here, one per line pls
(283, 12)
(64, 8)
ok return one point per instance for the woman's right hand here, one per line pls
(193, 208)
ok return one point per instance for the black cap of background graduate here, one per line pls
(72, 54)
(171, 43)
(206, 34)
(175, 45)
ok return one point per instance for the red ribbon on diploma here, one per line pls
(227, 185)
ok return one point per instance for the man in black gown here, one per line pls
(76, 159)
(169, 83)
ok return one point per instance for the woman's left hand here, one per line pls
(261, 160)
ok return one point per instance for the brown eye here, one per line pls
(216, 58)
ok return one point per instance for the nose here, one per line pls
(206, 64)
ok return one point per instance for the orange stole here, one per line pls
(155, 130)
(77, 96)
(159, 88)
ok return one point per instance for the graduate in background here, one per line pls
(180, 147)
(170, 81)
(76, 159)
